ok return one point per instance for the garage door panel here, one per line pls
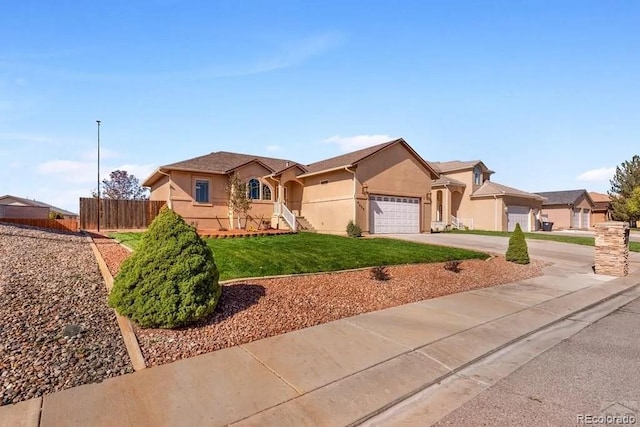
(517, 215)
(392, 214)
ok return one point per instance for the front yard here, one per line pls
(311, 253)
(576, 240)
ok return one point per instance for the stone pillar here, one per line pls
(612, 248)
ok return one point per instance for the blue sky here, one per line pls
(546, 93)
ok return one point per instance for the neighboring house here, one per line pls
(464, 196)
(383, 189)
(601, 211)
(18, 207)
(567, 209)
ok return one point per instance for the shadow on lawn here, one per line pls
(235, 298)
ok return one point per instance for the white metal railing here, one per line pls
(281, 210)
(461, 223)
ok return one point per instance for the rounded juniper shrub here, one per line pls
(170, 280)
(517, 251)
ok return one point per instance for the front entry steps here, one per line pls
(305, 225)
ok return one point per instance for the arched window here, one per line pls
(266, 192)
(254, 189)
(477, 175)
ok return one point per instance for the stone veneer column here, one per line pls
(612, 248)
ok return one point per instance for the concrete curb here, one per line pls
(126, 329)
(454, 371)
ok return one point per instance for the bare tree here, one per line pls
(121, 185)
(239, 201)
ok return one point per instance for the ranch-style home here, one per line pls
(465, 197)
(383, 189)
(568, 208)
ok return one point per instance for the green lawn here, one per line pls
(311, 252)
(576, 240)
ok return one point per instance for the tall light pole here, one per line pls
(98, 122)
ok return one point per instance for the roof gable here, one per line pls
(457, 165)
(355, 157)
(491, 188)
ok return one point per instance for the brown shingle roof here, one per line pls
(565, 197)
(444, 180)
(599, 197)
(224, 162)
(355, 157)
(490, 188)
(37, 203)
(456, 165)
(347, 159)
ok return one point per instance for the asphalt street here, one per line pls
(581, 381)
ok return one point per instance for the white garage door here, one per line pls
(517, 214)
(394, 214)
(575, 219)
(586, 213)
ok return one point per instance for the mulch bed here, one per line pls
(251, 310)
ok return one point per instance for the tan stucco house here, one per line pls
(464, 196)
(567, 209)
(19, 207)
(601, 211)
(383, 189)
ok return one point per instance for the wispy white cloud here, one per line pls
(272, 148)
(597, 175)
(105, 154)
(350, 143)
(24, 137)
(85, 172)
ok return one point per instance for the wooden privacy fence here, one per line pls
(116, 214)
(55, 224)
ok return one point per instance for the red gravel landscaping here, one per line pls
(262, 308)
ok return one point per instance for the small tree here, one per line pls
(624, 182)
(239, 201)
(633, 203)
(517, 251)
(121, 185)
(170, 280)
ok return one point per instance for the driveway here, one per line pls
(556, 252)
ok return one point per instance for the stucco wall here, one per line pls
(394, 172)
(559, 215)
(329, 206)
(488, 214)
(160, 189)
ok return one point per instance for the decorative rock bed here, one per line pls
(57, 331)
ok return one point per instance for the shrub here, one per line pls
(517, 251)
(55, 215)
(380, 273)
(452, 266)
(170, 280)
(353, 230)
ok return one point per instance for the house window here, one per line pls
(202, 191)
(266, 192)
(254, 189)
(477, 176)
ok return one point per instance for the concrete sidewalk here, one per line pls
(337, 373)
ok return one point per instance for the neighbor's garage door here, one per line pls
(586, 214)
(394, 214)
(575, 219)
(517, 214)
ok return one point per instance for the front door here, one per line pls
(285, 195)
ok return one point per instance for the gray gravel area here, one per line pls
(56, 330)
